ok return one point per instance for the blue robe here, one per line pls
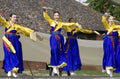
(12, 60)
(117, 57)
(72, 54)
(57, 47)
(110, 43)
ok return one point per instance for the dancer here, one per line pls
(56, 39)
(117, 53)
(110, 42)
(73, 59)
(13, 58)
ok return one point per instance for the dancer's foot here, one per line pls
(109, 72)
(56, 71)
(14, 74)
(72, 73)
(9, 74)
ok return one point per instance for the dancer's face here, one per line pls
(111, 19)
(72, 20)
(13, 18)
(56, 16)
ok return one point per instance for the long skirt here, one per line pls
(11, 59)
(109, 47)
(72, 55)
(117, 58)
(57, 49)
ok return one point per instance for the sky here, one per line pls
(82, 1)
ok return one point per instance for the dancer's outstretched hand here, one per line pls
(79, 26)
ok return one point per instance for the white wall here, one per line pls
(90, 50)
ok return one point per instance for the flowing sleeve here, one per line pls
(3, 21)
(68, 29)
(114, 27)
(117, 27)
(105, 23)
(47, 17)
(119, 32)
(84, 31)
(69, 24)
(65, 28)
(23, 30)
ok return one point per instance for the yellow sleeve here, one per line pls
(69, 24)
(65, 28)
(119, 32)
(47, 18)
(68, 29)
(84, 31)
(23, 30)
(117, 27)
(105, 23)
(110, 30)
(4, 22)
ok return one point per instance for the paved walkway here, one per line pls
(48, 77)
(44, 75)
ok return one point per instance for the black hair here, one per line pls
(56, 12)
(70, 19)
(12, 14)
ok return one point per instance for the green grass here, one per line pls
(90, 73)
(83, 73)
(93, 73)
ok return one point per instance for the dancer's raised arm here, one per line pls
(104, 20)
(46, 16)
(4, 22)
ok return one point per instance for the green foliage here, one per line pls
(105, 6)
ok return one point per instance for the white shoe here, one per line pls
(111, 73)
(56, 71)
(14, 74)
(72, 73)
(108, 71)
(9, 74)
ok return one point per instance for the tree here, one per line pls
(105, 6)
